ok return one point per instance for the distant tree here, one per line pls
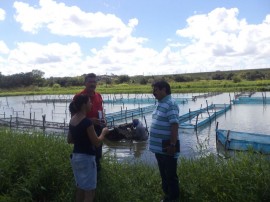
(218, 76)
(179, 78)
(267, 76)
(143, 81)
(254, 75)
(38, 73)
(230, 76)
(159, 78)
(150, 80)
(108, 81)
(56, 86)
(236, 79)
(182, 78)
(38, 79)
(123, 79)
(49, 81)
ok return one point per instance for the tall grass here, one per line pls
(34, 167)
(245, 177)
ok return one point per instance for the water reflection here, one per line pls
(125, 148)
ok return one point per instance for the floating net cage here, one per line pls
(23, 124)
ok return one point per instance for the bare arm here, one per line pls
(96, 141)
(69, 138)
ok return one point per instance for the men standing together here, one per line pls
(164, 140)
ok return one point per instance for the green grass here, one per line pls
(183, 87)
(34, 167)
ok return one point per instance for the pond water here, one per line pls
(242, 117)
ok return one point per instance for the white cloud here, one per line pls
(53, 59)
(220, 40)
(3, 48)
(69, 21)
(2, 14)
(214, 41)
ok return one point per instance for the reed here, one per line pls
(34, 167)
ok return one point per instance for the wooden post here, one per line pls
(10, 121)
(196, 122)
(17, 122)
(227, 139)
(43, 121)
(146, 124)
(216, 133)
(126, 115)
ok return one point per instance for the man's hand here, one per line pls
(171, 150)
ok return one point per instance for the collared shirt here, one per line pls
(166, 113)
(96, 100)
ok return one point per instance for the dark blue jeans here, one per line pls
(167, 167)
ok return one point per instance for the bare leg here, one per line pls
(89, 196)
(79, 195)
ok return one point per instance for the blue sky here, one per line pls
(133, 37)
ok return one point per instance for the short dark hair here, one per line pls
(79, 100)
(162, 84)
(90, 76)
(72, 108)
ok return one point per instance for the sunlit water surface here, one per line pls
(242, 117)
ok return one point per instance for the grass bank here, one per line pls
(183, 87)
(36, 168)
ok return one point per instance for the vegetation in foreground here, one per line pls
(34, 167)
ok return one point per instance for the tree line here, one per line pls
(36, 78)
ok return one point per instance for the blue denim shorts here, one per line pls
(84, 170)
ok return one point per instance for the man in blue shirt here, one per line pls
(164, 140)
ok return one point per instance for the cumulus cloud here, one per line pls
(2, 14)
(54, 59)
(69, 21)
(220, 40)
(3, 48)
(217, 40)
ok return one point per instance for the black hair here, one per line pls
(78, 102)
(88, 76)
(162, 84)
(72, 108)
